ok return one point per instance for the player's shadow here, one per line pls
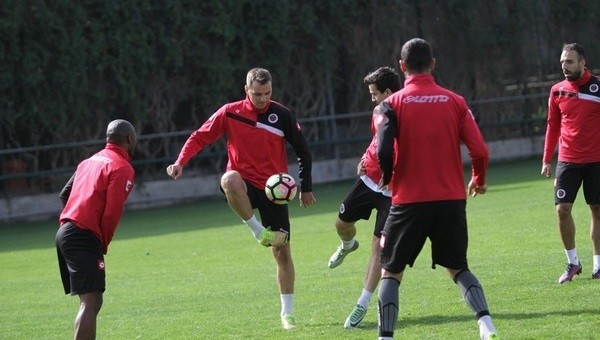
(447, 319)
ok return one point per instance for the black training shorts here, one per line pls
(570, 176)
(273, 216)
(360, 202)
(409, 225)
(80, 260)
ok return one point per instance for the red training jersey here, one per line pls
(369, 158)
(255, 141)
(429, 124)
(574, 120)
(94, 197)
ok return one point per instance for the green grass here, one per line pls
(193, 271)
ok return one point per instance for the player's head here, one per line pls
(121, 132)
(382, 82)
(416, 57)
(572, 61)
(258, 87)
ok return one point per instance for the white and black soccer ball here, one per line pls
(281, 188)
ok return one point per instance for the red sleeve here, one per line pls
(120, 184)
(552, 130)
(208, 133)
(478, 151)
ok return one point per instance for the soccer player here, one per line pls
(574, 120)
(426, 124)
(365, 196)
(257, 129)
(93, 200)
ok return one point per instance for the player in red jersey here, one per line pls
(93, 200)
(257, 129)
(573, 123)
(427, 124)
(364, 197)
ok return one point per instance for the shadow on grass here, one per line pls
(447, 319)
(179, 218)
(215, 213)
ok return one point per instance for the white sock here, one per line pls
(256, 227)
(596, 263)
(287, 301)
(485, 326)
(365, 298)
(348, 244)
(572, 256)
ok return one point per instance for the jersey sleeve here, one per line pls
(65, 193)
(120, 184)
(386, 133)
(552, 130)
(209, 132)
(478, 151)
(297, 140)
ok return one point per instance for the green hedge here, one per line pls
(68, 67)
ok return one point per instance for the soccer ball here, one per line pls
(281, 188)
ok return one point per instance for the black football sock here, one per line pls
(388, 306)
(472, 293)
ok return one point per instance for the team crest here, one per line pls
(101, 264)
(594, 88)
(273, 118)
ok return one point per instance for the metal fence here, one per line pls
(45, 168)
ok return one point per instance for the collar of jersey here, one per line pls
(251, 108)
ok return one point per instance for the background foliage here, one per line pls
(68, 67)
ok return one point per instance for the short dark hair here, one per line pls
(118, 130)
(384, 78)
(575, 47)
(259, 75)
(416, 54)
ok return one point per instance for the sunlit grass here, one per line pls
(193, 271)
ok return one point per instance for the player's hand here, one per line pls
(360, 168)
(546, 168)
(175, 171)
(307, 199)
(382, 186)
(474, 189)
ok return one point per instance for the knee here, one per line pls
(595, 210)
(343, 226)
(282, 254)
(98, 305)
(595, 231)
(376, 247)
(91, 303)
(563, 211)
(232, 181)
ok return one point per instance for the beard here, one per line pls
(575, 75)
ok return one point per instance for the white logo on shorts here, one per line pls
(342, 208)
(560, 193)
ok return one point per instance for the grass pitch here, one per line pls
(193, 271)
